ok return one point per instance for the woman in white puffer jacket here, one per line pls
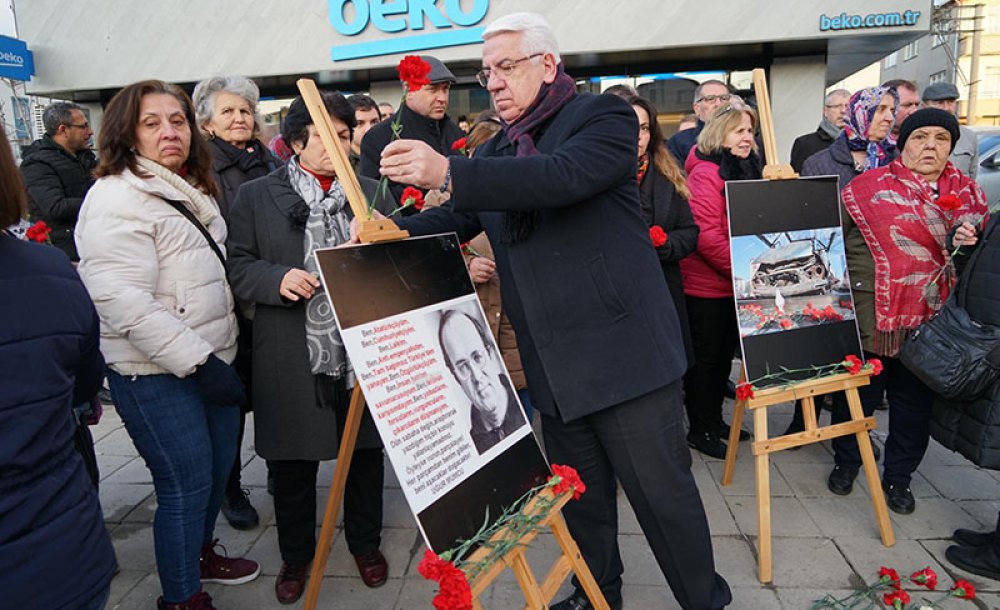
(150, 239)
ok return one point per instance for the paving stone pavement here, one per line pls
(822, 543)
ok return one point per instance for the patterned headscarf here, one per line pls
(860, 112)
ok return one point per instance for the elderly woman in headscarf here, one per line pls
(896, 219)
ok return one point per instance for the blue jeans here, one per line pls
(189, 448)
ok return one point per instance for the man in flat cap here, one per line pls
(966, 154)
(424, 118)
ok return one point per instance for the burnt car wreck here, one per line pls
(792, 267)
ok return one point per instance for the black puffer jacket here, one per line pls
(973, 428)
(57, 182)
(232, 167)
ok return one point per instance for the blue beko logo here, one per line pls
(450, 25)
(15, 59)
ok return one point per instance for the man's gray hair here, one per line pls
(205, 91)
(56, 114)
(835, 93)
(538, 36)
(713, 81)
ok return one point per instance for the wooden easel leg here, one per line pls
(572, 552)
(808, 406)
(526, 578)
(734, 436)
(347, 442)
(871, 470)
(763, 498)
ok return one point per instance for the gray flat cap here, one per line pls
(439, 72)
(940, 91)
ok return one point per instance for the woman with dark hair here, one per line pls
(302, 378)
(226, 110)
(663, 199)
(150, 238)
(726, 150)
(54, 549)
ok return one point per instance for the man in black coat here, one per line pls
(707, 97)
(834, 115)
(57, 172)
(556, 193)
(423, 117)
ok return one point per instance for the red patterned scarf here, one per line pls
(904, 222)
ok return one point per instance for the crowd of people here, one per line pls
(183, 273)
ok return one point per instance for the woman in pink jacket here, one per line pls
(726, 150)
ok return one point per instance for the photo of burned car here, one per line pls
(792, 266)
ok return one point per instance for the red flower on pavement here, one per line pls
(744, 391)
(948, 203)
(413, 71)
(460, 144)
(38, 232)
(876, 366)
(454, 592)
(412, 197)
(565, 478)
(963, 589)
(853, 365)
(657, 235)
(786, 323)
(926, 577)
(888, 576)
(897, 599)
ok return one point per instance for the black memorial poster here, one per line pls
(793, 296)
(433, 378)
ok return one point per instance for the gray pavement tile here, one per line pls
(134, 471)
(809, 562)
(788, 517)
(144, 511)
(808, 480)
(108, 464)
(801, 599)
(123, 582)
(119, 499)
(937, 454)
(117, 442)
(255, 473)
(335, 593)
(906, 556)
(133, 543)
(937, 548)
(397, 546)
(817, 453)
(962, 482)
(640, 565)
(852, 515)
(141, 597)
(265, 551)
(416, 593)
(744, 480)
(721, 521)
(933, 518)
(735, 561)
(984, 511)
(753, 598)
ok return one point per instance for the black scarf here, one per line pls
(732, 167)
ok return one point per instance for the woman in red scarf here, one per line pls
(896, 221)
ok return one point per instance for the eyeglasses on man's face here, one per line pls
(78, 126)
(714, 98)
(477, 361)
(504, 70)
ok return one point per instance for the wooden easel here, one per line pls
(805, 392)
(535, 594)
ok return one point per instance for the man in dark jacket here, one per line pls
(707, 97)
(423, 117)
(834, 114)
(600, 341)
(57, 171)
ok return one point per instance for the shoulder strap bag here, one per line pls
(183, 209)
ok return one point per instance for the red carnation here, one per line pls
(948, 203)
(412, 197)
(852, 363)
(413, 71)
(876, 366)
(925, 577)
(460, 144)
(888, 576)
(744, 391)
(657, 235)
(785, 323)
(454, 592)
(963, 589)
(38, 232)
(567, 479)
(897, 599)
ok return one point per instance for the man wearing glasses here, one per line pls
(834, 115)
(582, 285)
(707, 97)
(472, 358)
(57, 172)
(424, 117)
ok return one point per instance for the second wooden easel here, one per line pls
(806, 393)
(537, 595)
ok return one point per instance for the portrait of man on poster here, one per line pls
(473, 360)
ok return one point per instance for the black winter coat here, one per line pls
(585, 293)
(808, 145)
(54, 549)
(663, 206)
(972, 428)
(57, 182)
(231, 167)
(438, 134)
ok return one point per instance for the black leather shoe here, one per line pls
(981, 560)
(708, 443)
(238, 511)
(724, 433)
(841, 480)
(899, 498)
(580, 601)
(974, 538)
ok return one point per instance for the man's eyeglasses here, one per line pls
(478, 359)
(80, 126)
(504, 70)
(844, 105)
(713, 98)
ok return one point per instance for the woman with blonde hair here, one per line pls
(726, 150)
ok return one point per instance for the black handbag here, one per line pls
(955, 356)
